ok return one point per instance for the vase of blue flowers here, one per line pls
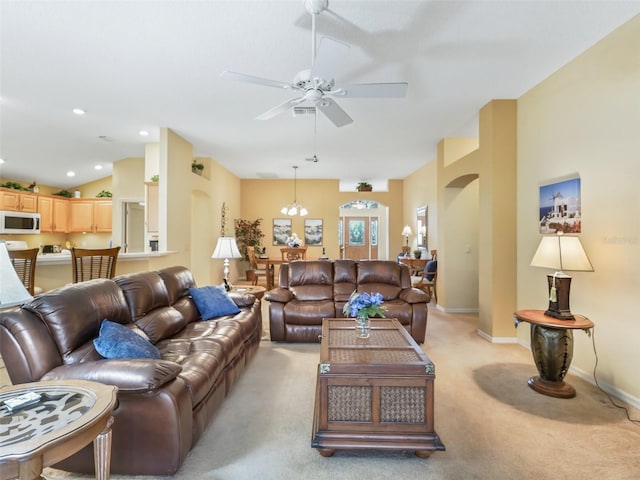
(363, 306)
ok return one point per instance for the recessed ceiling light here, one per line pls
(144, 133)
(78, 111)
(98, 167)
(71, 174)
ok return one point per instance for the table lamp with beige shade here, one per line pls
(560, 252)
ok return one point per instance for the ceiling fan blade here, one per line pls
(278, 109)
(334, 113)
(330, 53)
(258, 80)
(373, 90)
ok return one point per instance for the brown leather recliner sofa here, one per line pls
(309, 291)
(164, 405)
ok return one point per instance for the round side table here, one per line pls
(255, 290)
(552, 349)
(70, 415)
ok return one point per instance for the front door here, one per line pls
(357, 239)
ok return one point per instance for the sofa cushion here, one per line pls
(117, 341)
(311, 280)
(73, 314)
(213, 302)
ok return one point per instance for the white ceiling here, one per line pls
(136, 65)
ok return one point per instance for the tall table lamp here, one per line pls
(12, 290)
(226, 248)
(560, 253)
(406, 232)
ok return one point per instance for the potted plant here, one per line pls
(104, 194)
(417, 254)
(364, 187)
(197, 167)
(248, 234)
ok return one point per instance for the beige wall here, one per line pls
(264, 199)
(421, 189)
(584, 119)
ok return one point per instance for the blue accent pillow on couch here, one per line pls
(213, 302)
(117, 341)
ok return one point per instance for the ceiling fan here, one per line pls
(316, 86)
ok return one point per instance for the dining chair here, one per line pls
(257, 272)
(24, 263)
(428, 279)
(91, 263)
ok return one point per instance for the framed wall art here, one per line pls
(281, 230)
(560, 208)
(313, 231)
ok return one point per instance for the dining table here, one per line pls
(270, 263)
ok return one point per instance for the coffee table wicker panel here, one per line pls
(403, 404)
(381, 338)
(373, 356)
(349, 403)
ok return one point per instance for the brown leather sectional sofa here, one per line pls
(164, 405)
(309, 291)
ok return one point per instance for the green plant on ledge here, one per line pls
(364, 187)
(155, 178)
(197, 167)
(104, 194)
(14, 186)
(64, 193)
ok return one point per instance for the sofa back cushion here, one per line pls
(178, 281)
(384, 277)
(344, 280)
(311, 280)
(73, 313)
(148, 301)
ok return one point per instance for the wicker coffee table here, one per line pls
(374, 393)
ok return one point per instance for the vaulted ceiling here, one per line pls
(144, 65)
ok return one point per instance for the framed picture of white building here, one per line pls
(560, 208)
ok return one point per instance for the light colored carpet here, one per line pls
(493, 425)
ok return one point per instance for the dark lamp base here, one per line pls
(559, 303)
(560, 315)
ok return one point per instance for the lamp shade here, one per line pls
(226, 248)
(561, 252)
(12, 290)
(406, 231)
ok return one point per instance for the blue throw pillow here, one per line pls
(213, 302)
(117, 341)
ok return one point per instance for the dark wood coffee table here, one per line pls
(374, 393)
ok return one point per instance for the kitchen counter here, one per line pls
(63, 258)
(54, 270)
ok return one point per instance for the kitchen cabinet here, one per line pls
(54, 214)
(90, 215)
(151, 206)
(17, 201)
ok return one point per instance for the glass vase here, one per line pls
(363, 326)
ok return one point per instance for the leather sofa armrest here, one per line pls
(129, 375)
(242, 299)
(414, 295)
(280, 295)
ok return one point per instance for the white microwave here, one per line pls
(19, 222)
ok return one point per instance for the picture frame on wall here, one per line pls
(560, 207)
(281, 230)
(313, 231)
(356, 233)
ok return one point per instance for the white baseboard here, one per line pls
(491, 339)
(457, 310)
(610, 389)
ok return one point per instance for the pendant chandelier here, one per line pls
(294, 208)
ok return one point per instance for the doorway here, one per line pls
(133, 227)
(363, 230)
